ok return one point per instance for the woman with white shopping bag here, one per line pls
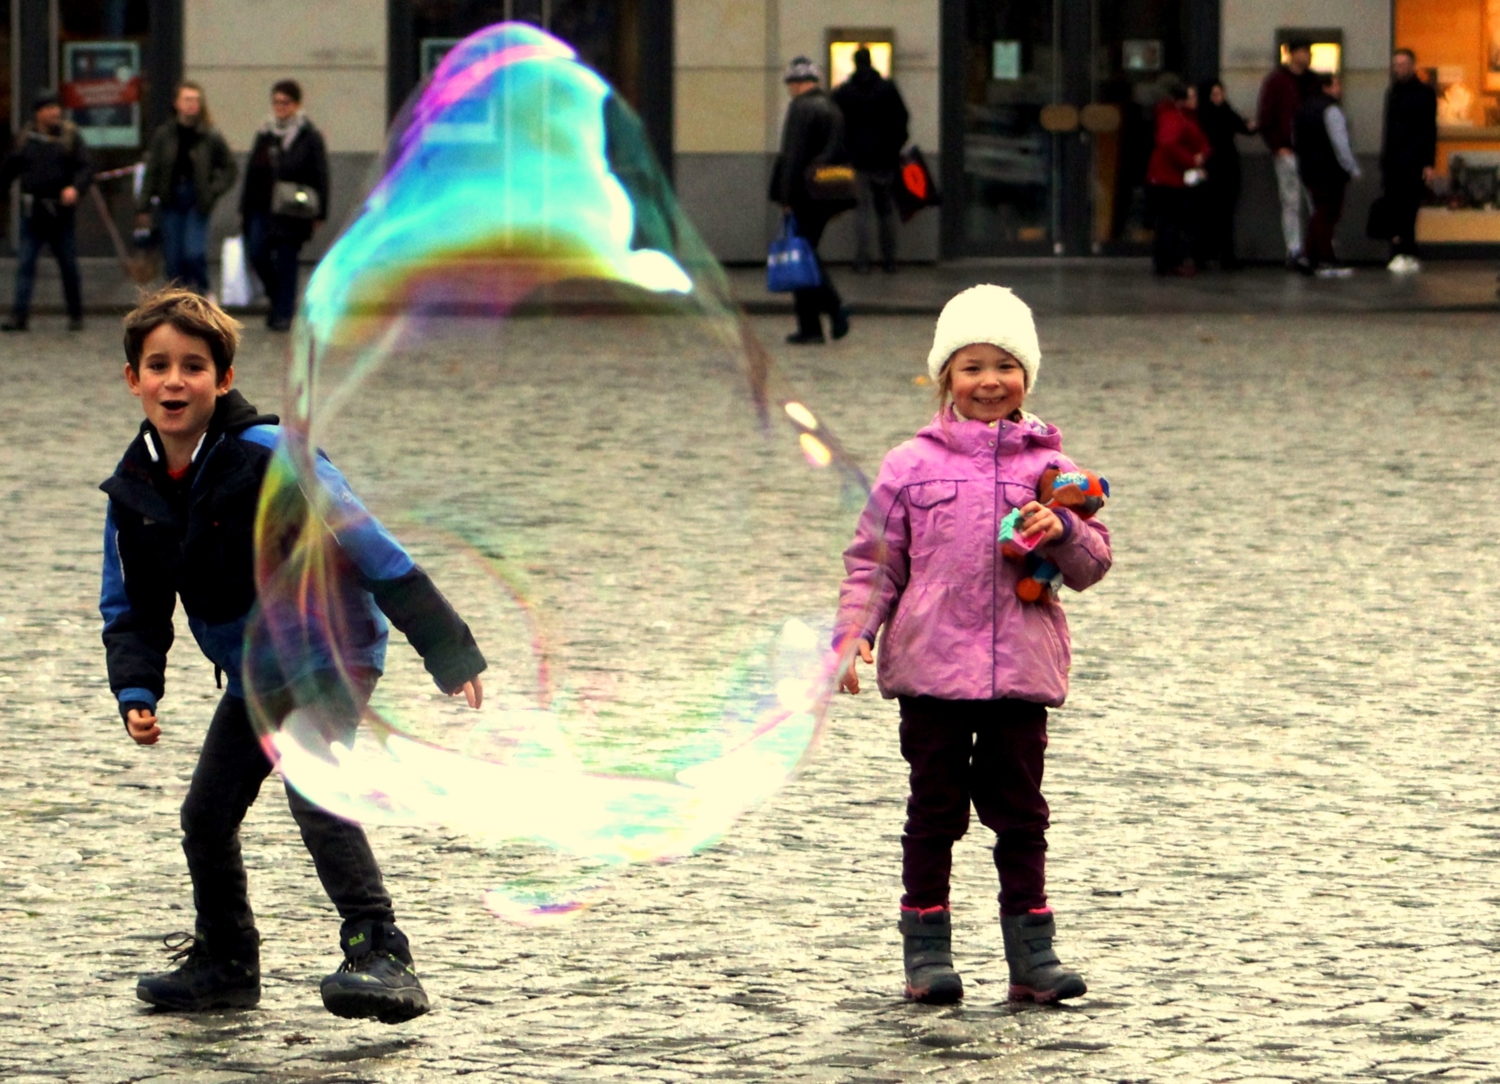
(234, 281)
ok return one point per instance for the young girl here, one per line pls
(974, 667)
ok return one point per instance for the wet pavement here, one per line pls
(1275, 825)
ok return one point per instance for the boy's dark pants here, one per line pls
(225, 783)
(990, 752)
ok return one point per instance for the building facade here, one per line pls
(1034, 116)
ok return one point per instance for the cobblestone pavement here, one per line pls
(1276, 825)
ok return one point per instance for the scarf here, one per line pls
(286, 130)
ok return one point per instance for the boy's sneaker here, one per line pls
(376, 979)
(203, 980)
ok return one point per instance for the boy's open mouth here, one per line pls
(173, 404)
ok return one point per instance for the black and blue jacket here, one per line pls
(194, 538)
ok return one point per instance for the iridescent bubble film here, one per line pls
(519, 364)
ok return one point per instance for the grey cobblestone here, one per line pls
(1275, 822)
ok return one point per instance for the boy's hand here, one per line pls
(1040, 523)
(141, 725)
(473, 691)
(849, 680)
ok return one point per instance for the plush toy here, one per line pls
(1081, 492)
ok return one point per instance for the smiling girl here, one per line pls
(974, 668)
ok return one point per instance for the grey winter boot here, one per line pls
(928, 948)
(1036, 974)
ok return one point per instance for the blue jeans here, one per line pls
(55, 231)
(184, 240)
(275, 261)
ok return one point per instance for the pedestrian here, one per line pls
(284, 199)
(55, 171)
(1408, 152)
(188, 167)
(1281, 93)
(1177, 164)
(181, 521)
(1219, 196)
(1326, 164)
(974, 668)
(812, 134)
(874, 132)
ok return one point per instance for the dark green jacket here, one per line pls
(214, 169)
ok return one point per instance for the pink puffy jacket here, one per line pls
(925, 563)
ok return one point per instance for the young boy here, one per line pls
(182, 509)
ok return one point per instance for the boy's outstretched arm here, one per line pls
(403, 591)
(136, 641)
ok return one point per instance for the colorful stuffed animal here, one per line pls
(1081, 492)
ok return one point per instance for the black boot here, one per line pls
(1036, 974)
(376, 978)
(205, 979)
(928, 950)
(15, 323)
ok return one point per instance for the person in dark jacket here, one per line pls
(1281, 93)
(1408, 152)
(1219, 194)
(55, 171)
(288, 158)
(874, 132)
(181, 523)
(188, 167)
(1176, 165)
(1326, 164)
(812, 134)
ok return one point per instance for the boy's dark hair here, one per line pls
(189, 314)
(290, 87)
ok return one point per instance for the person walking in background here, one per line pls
(1326, 163)
(874, 132)
(55, 171)
(1408, 151)
(285, 198)
(1177, 162)
(1281, 94)
(188, 167)
(1220, 194)
(812, 134)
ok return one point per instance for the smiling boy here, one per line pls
(180, 523)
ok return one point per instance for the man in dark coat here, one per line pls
(1281, 93)
(1326, 161)
(55, 172)
(812, 134)
(1408, 149)
(287, 149)
(874, 133)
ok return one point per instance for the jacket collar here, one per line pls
(959, 434)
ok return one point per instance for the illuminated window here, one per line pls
(843, 42)
(1326, 56)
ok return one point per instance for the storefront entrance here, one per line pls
(1047, 118)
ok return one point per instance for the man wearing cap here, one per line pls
(813, 133)
(55, 172)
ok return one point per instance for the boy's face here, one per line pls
(176, 383)
(987, 384)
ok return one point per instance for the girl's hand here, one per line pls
(849, 681)
(142, 727)
(1041, 523)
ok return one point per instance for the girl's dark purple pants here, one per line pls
(988, 752)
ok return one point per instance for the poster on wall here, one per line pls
(1492, 45)
(102, 90)
(465, 121)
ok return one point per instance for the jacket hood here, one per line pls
(964, 436)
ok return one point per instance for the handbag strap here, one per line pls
(789, 225)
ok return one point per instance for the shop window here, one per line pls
(842, 43)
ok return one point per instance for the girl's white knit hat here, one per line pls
(986, 314)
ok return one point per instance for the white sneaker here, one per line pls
(1334, 271)
(1403, 265)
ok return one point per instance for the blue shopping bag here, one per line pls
(791, 263)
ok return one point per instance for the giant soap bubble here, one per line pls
(525, 363)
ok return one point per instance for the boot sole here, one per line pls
(388, 1007)
(1046, 997)
(935, 995)
(237, 999)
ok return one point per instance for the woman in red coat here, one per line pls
(1176, 165)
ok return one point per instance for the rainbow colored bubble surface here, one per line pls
(525, 363)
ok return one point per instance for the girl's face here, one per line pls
(986, 383)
